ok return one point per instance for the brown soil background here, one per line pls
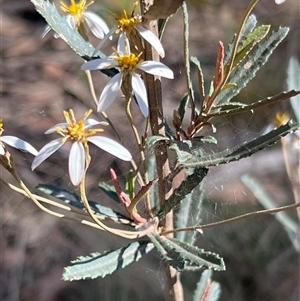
(41, 77)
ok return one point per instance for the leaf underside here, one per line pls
(100, 265)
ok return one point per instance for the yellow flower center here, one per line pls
(1, 126)
(76, 130)
(128, 62)
(76, 9)
(281, 118)
(126, 21)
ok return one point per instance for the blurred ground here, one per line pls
(41, 77)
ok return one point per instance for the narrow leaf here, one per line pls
(243, 150)
(185, 188)
(152, 174)
(183, 256)
(100, 265)
(151, 141)
(189, 214)
(73, 199)
(248, 68)
(251, 40)
(258, 104)
(195, 61)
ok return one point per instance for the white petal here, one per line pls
(96, 24)
(111, 147)
(279, 1)
(91, 122)
(152, 39)
(2, 151)
(97, 64)
(76, 163)
(62, 125)
(71, 21)
(108, 36)
(110, 92)
(140, 93)
(19, 144)
(46, 152)
(123, 44)
(156, 68)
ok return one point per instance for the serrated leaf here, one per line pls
(189, 214)
(207, 289)
(100, 265)
(184, 188)
(73, 199)
(251, 40)
(243, 150)
(183, 256)
(151, 141)
(246, 70)
(258, 104)
(247, 29)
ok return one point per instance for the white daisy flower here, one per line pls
(14, 142)
(128, 62)
(130, 25)
(78, 17)
(79, 133)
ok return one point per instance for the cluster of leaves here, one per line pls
(235, 67)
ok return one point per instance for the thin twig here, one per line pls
(233, 219)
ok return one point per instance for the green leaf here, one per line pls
(189, 214)
(184, 102)
(196, 62)
(204, 139)
(248, 68)
(182, 149)
(100, 265)
(152, 174)
(184, 189)
(151, 141)
(251, 40)
(183, 256)
(255, 105)
(73, 199)
(247, 29)
(207, 289)
(243, 150)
